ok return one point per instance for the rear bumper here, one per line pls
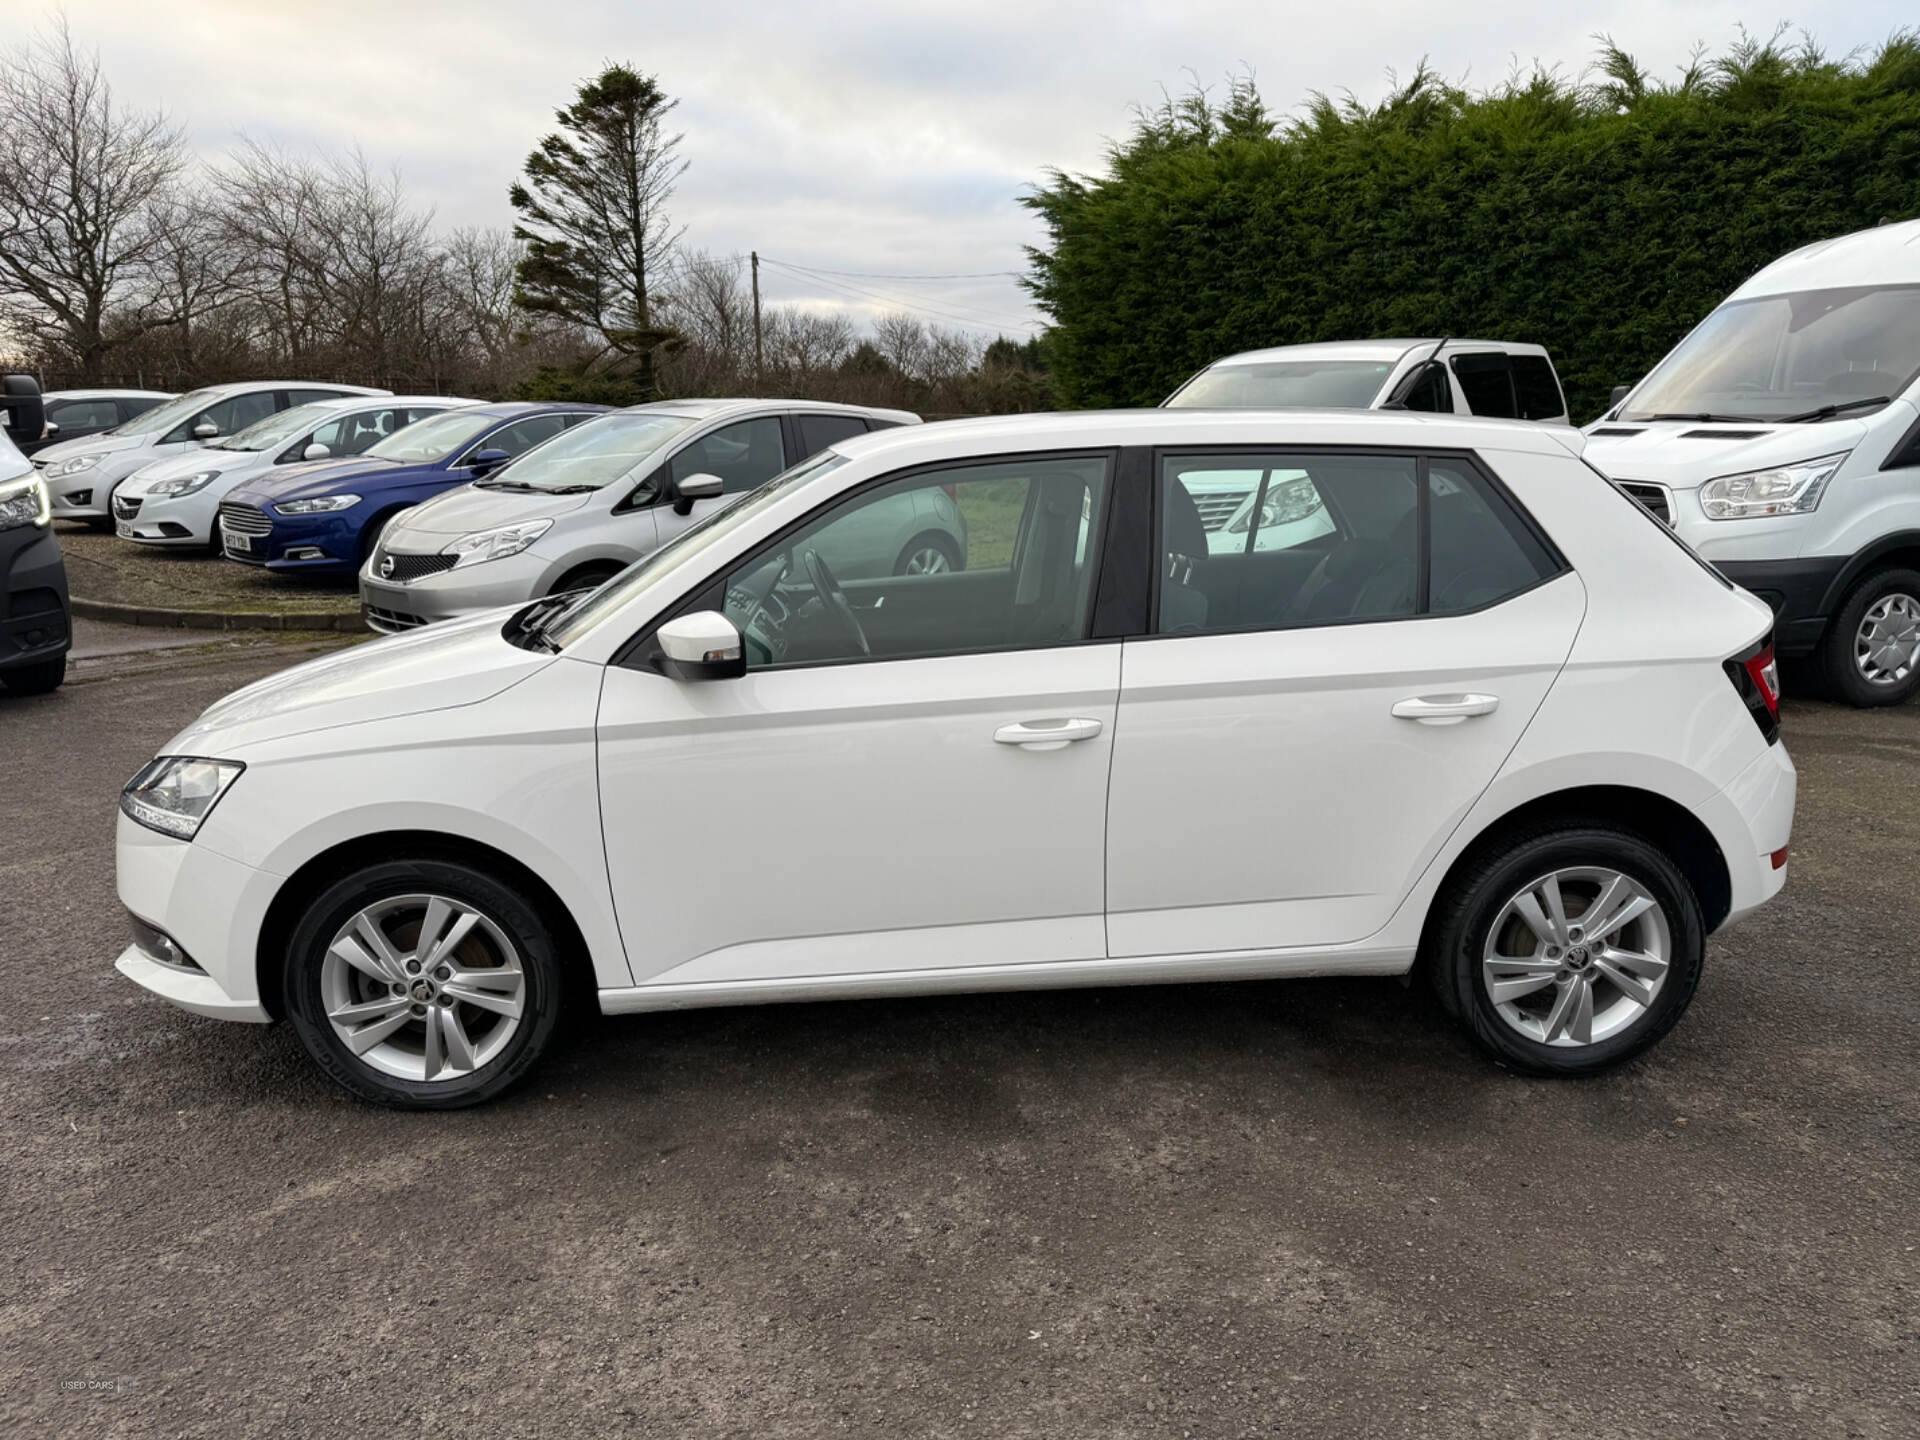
(1796, 590)
(1752, 819)
(35, 622)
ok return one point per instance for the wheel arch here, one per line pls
(1682, 835)
(311, 878)
(1898, 550)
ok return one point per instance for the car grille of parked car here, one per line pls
(1216, 507)
(389, 622)
(404, 569)
(245, 519)
(1658, 502)
(124, 508)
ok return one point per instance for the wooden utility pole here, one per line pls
(758, 386)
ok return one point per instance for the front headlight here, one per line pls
(176, 793)
(192, 485)
(318, 505)
(1785, 490)
(23, 501)
(60, 469)
(1285, 503)
(496, 544)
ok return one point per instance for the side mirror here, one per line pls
(487, 461)
(22, 413)
(315, 451)
(696, 487)
(704, 645)
(1620, 392)
(51, 431)
(205, 429)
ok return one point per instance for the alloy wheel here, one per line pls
(1887, 644)
(423, 987)
(1577, 956)
(927, 560)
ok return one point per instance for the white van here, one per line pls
(1781, 438)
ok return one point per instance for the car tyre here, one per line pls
(505, 958)
(587, 577)
(1483, 933)
(1871, 653)
(39, 678)
(928, 554)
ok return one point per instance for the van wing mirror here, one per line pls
(22, 412)
(703, 645)
(1620, 392)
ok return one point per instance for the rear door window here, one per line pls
(1486, 379)
(817, 432)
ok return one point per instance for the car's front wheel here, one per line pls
(1569, 949)
(1871, 654)
(423, 984)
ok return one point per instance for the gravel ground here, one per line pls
(1303, 1208)
(103, 567)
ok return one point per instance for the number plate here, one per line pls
(123, 530)
(235, 541)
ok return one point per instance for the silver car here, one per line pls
(575, 511)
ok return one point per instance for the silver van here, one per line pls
(575, 511)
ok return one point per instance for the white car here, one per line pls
(81, 474)
(1495, 723)
(1782, 439)
(174, 502)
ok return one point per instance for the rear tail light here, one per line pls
(1756, 675)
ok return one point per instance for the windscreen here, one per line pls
(428, 441)
(1286, 385)
(597, 453)
(163, 418)
(1782, 357)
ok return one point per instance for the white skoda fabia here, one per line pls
(1485, 718)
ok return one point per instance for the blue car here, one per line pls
(322, 517)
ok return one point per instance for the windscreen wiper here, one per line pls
(1705, 417)
(1826, 411)
(1399, 401)
(504, 485)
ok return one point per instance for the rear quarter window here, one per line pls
(1537, 388)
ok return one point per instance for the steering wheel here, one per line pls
(834, 600)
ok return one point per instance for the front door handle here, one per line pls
(1048, 734)
(1445, 709)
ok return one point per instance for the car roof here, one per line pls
(1103, 429)
(506, 408)
(1391, 350)
(1884, 255)
(707, 408)
(110, 395)
(362, 402)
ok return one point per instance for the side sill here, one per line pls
(1143, 970)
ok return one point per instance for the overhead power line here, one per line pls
(872, 275)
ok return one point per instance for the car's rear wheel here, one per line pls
(1871, 654)
(35, 679)
(1569, 949)
(424, 985)
(928, 554)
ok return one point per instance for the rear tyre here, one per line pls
(928, 554)
(1871, 653)
(1570, 949)
(36, 679)
(423, 984)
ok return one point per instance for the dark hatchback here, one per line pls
(323, 518)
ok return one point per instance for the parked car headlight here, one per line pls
(1784, 490)
(496, 544)
(176, 793)
(193, 484)
(318, 505)
(60, 469)
(1283, 504)
(23, 501)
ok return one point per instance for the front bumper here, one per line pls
(1797, 591)
(34, 612)
(169, 520)
(390, 607)
(212, 906)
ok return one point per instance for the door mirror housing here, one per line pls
(315, 451)
(696, 487)
(204, 429)
(488, 461)
(22, 413)
(704, 645)
(51, 430)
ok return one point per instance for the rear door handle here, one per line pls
(1445, 709)
(1048, 734)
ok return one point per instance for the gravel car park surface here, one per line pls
(1297, 1207)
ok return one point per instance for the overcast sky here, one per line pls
(860, 136)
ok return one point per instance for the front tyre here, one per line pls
(423, 984)
(1871, 653)
(1570, 949)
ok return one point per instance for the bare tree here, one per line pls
(270, 209)
(83, 183)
